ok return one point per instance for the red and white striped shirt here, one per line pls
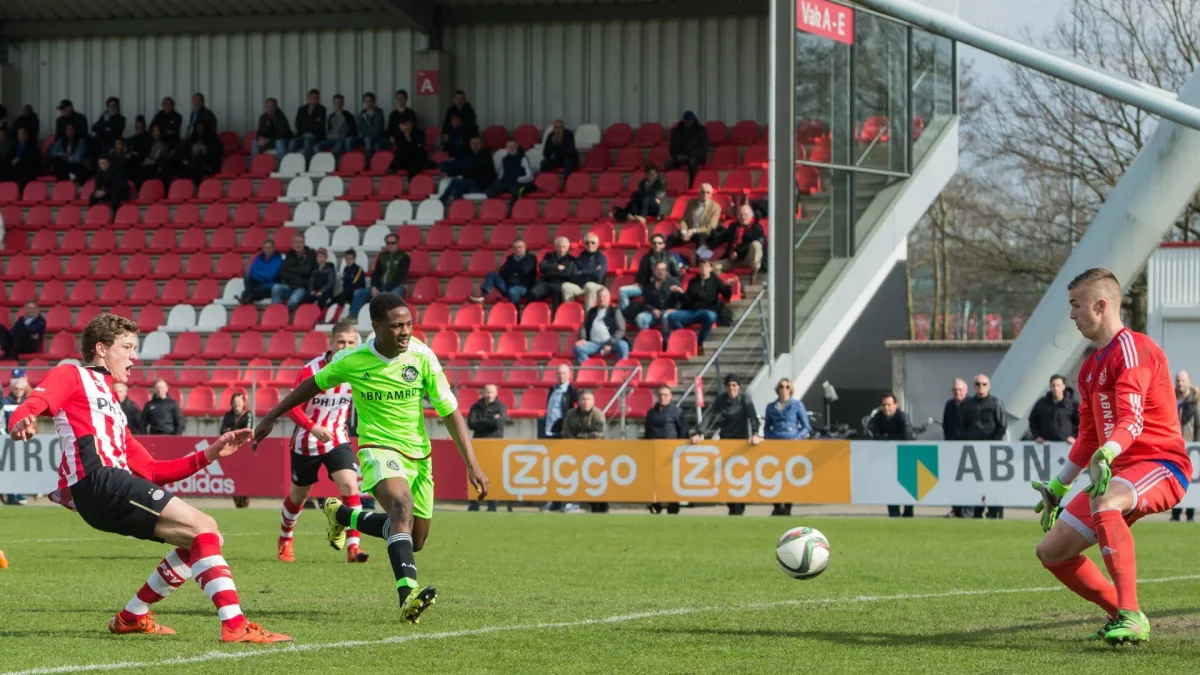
(329, 409)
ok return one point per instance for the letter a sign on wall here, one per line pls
(427, 82)
(827, 19)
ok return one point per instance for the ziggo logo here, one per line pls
(528, 471)
(700, 471)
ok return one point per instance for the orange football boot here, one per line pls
(285, 550)
(354, 554)
(252, 632)
(144, 624)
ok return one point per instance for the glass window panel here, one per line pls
(880, 92)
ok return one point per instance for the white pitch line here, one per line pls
(470, 632)
(110, 538)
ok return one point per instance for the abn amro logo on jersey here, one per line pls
(917, 468)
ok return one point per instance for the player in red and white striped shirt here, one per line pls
(322, 439)
(114, 484)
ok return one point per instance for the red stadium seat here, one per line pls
(274, 317)
(623, 369)
(241, 190)
(145, 292)
(63, 192)
(38, 218)
(495, 137)
(577, 185)
(366, 214)
(199, 266)
(193, 373)
(480, 263)
(435, 317)
(445, 344)
(682, 344)
(155, 217)
(104, 241)
(261, 166)
(53, 292)
(246, 215)
(285, 375)
(68, 216)
(379, 162)
(537, 237)
(181, 191)
(176, 292)
(186, 215)
(724, 158)
(489, 371)
(649, 135)
(282, 236)
(408, 237)
(661, 371)
(478, 344)
(205, 292)
(84, 316)
(34, 193)
(161, 241)
(536, 316)
(232, 166)
(449, 264)
(216, 215)
(114, 292)
(571, 231)
(281, 346)
(592, 373)
(63, 346)
(228, 373)
(738, 180)
(306, 317)
(618, 135)
(597, 160)
(361, 188)
(389, 188)
(745, 132)
(677, 183)
(9, 193)
(545, 345)
(352, 164)
(419, 264)
(252, 344)
(98, 216)
(168, 266)
(19, 267)
(108, 267)
(48, 267)
(73, 241)
(21, 292)
(44, 241)
(58, 319)
(223, 240)
(501, 317)
(588, 210)
(440, 236)
(647, 344)
(132, 241)
(502, 236)
(458, 288)
(492, 211)
(265, 398)
(220, 345)
(269, 189)
(547, 183)
(252, 240)
(200, 402)
(467, 318)
(717, 132)
(78, 267)
(424, 291)
(186, 345)
(808, 180)
(193, 240)
(313, 344)
(756, 157)
(632, 236)
(230, 143)
(461, 212)
(527, 136)
(467, 397)
(420, 188)
(629, 159)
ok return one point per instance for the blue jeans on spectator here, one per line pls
(363, 296)
(369, 145)
(620, 349)
(454, 166)
(281, 146)
(336, 146)
(682, 317)
(628, 293)
(306, 144)
(457, 188)
(493, 280)
(646, 320)
(282, 293)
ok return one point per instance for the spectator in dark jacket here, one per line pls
(558, 150)
(984, 419)
(341, 128)
(201, 115)
(562, 397)
(310, 125)
(295, 273)
(274, 132)
(464, 110)
(371, 128)
(591, 267)
(18, 393)
(734, 417)
(27, 335)
(688, 145)
(320, 284)
(646, 201)
(169, 122)
(67, 156)
(161, 416)
(133, 416)
(747, 241)
(556, 269)
(353, 277)
(68, 117)
(664, 421)
(702, 303)
(478, 175)
(27, 158)
(891, 424)
(602, 332)
(1055, 416)
(238, 416)
(201, 155)
(516, 276)
(389, 274)
(456, 142)
(401, 114)
(29, 121)
(159, 161)
(516, 174)
(661, 298)
(487, 418)
(111, 187)
(952, 421)
(108, 127)
(1186, 395)
(409, 156)
(658, 253)
(263, 274)
(8, 155)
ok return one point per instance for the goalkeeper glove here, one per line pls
(1052, 494)
(1100, 470)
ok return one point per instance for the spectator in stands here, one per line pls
(27, 120)
(18, 391)
(340, 129)
(26, 335)
(371, 131)
(664, 421)
(133, 416)
(111, 186)
(747, 241)
(310, 125)
(585, 421)
(68, 117)
(1189, 423)
(558, 151)
(67, 157)
(409, 155)
(121, 158)
(161, 415)
(295, 274)
(556, 269)
(486, 419)
(952, 421)
(591, 267)
(139, 142)
(27, 158)
(701, 218)
(158, 161)
(169, 122)
(8, 155)
(109, 126)
(456, 143)
(984, 419)
(201, 155)
(1055, 416)
(353, 277)
(645, 273)
(389, 274)
(274, 132)
(516, 174)
(201, 115)
(646, 201)
(320, 283)
(238, 416)
(786, 420)
(688, 145)
(263, 274)
(516, 276)
(602, 331)
(661, 298)
(704, 302)
(562, 397)
(477, 175)
(890, 423)
(465, 111)
(734, 418)
(400, 115)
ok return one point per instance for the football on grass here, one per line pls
(802, 552)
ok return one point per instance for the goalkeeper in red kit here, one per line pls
(1130, 444)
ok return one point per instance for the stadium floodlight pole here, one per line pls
(1126, 231)
(1059, 67)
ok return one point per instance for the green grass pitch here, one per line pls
(563, 594)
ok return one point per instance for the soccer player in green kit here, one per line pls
(388, 377)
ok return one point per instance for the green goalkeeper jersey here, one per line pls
(388, 394)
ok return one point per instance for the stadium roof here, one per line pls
(30, 19)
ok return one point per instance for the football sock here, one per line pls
(1082, 576)
(404, 564)
(354, 502)
(357, 520)
(1116, 545)
(213, 575)
(289, 515)
(170, 574)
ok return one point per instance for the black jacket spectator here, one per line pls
(613, 319)
(107, 129)
(162, 417)
(665, 423)
(1053, 420)
(558, 153)
(233, 422)
(203, 116)
(390, 270)
(984, 419)
(353, 279)
(570, 399)
(28, 335)
(894, 428)
(296, 270)
(481, 169)
(483, 421)
(171, 126)
(707, 293)
(75, 119)
(320, 284)
(28, 157)
(467, 113)
(735, 418)
(311, 121)
(409, 154)
(113, 184)
(29, 121)
(689, 140)
(521, 272)
(133, 416)
(398, 117)
(549, 271)
(662, 297)
(590, 267)
(645, 271)
(952, 421)
(274, 129)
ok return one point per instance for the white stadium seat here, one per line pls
(364, 318)
(290, 166)
(330, 188)
(429, 212)
(233, 289)
(316, 236)
(306, 213)
(299, 189)
(212, 317)
(322, 163)
(344, 239)
(399, 212)
(155, 346)
(337, 213)
(181, 318)
(535, 157)
(586, 136)
(374, 236)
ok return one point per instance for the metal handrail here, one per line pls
(811, 226)
(854, 168)
(712, 360)
(626, 384)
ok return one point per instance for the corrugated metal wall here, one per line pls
(1173, 304)
(601, 73)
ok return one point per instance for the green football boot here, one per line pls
(417, 602)
(1131, 628)
(1099, 635)
(336, 531)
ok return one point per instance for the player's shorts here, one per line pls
(114, 500)
(1155, 489)
(306, 467)
(380, 463)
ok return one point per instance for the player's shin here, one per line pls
(1116, 545)
(1085, 579)
(172, 572)
(354, 502)
(213, 575)
(289, 514)
(355, 519)
(404, 563)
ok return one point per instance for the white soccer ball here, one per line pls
(802, 552)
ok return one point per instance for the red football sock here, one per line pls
(1082, 576)
(213, 575)
(354, 502)
(288, 517)
(1116, 545)
(170, 574)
